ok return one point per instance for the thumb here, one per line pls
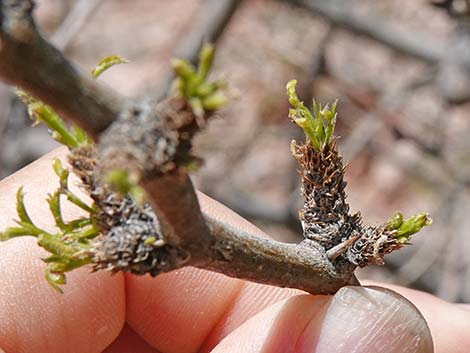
(367, 320)
(354, 320)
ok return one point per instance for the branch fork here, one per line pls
(139, 142)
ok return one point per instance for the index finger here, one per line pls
(33, 317)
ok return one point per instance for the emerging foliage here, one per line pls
(39, 112)
(70, 245)
(192, 83)
(106, 63)
(406, 228)
(318, 127)
(74, 243)
(325, 216)
(119, 232)
(120, 181)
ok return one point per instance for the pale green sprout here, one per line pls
(39, 112)
(192, 83)
(405, 228)
(69, 247)
(120, 181)
(106, 63)
(319, 126)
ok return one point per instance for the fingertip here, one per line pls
(369, 319)
(34, 317)
(449, 323)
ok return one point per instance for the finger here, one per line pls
(275, 329)
(34, 317)
(176, 312)
(169, 312)
(252, 299)
(356, 319)
(129, 341)
(449, 323)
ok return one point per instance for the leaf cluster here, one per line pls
(192, 83)
(70, 245)
(318, 126)
(405, 228)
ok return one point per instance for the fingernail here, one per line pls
(366, 320)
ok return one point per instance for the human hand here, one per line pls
(192, 310)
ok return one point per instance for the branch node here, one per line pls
(341, 248)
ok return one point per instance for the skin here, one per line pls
(192, 310)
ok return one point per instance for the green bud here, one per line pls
(395, 221)
(21, 208)
(319, 126)
(55, 279)
(55, 246)
(150, 240)
(411, 226)
(192, 84)
(183, 69)
(205, 61)
(292, 95)
(214, 101)
(329, 113)
(118, 180)
(138, 194)
(197, 107)
(60, 171)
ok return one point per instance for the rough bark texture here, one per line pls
(153, 143)
(325, 216)
(127, 228)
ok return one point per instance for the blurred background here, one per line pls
(401, 72)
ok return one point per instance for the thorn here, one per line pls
(341, 248)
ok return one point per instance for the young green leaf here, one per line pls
(319, 126)
(191, 83)
(20, 207)
(106, 63)
(411, 226)
(42, 113)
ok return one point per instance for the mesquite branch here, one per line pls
(149, 144)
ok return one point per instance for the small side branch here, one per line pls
(150, 144)
(304, 266)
